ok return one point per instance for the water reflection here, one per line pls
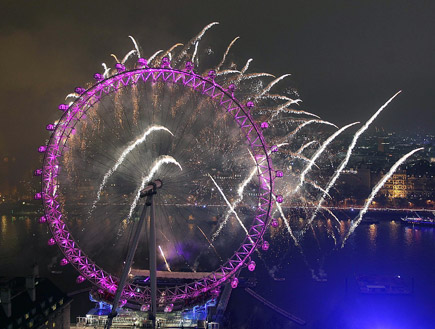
(4, 225)
(373, 232)
(394, 230)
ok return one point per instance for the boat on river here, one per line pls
(418, 220)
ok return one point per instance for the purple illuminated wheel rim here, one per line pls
(51, 168)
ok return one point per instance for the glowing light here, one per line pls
(123, 155)
(127, 56)
(154, 56)
(135, 46)
(304, 146)
(106, 70)
(230, 206)
(271, 84)
(116, 58)
(318, 153)
(226, 53)
(195, 40)
(195, 51)
(164, 159)
(348, 154)
(164, 258)
(375, 190)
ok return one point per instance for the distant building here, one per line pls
(33, 303)
(397, 186)
(403, 185)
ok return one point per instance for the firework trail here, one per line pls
(245, 68)
(194, 52)
(307, 123)
(135, 46)
(226, 53)
(116, 58)
(240, 191)
(194, 40)
(164, 159)
(168, 52)
(332, 214)
(318, 187)
(303, 147)
(276, 96)
(123, 155)
(209, 242)
(230, 206)
(349, 152)
(154, 55)
(318, 153)
(284, 108)
(271, 84)
(255, 75)
(225, 72)
(287, 225)
(375, 190)
(72, 95)
(164, 258)
(127, 56)
(106, 70)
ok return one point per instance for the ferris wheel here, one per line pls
(148, 123)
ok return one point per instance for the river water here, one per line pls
(316, 282)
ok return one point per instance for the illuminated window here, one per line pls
(26, 316)
(53, 307)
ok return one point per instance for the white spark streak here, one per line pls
(287, 225)
(123, 155)
(73, 95)
(225, 72)
(333, 215)
(135, 46)
(284, 108)
(318, 153)
(168, 52)
(375, 190)
(231, 207)
(194, 52)
(194, 40)
(164, 258)
(303, 147)
(255, 75)
(318, 187)
(116, 58)
(154, 55)
(164, 159)
(240, 191)
(310, 122)
(127, 56)
(106, 70)
(245, 68)
(348, 154)
(226, 53)
(270, 85)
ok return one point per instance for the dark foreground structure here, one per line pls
(30, 302)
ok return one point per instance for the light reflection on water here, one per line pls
(394, 248)
(4, 223)
(373, 233)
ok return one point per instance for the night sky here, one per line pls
(346, 57)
